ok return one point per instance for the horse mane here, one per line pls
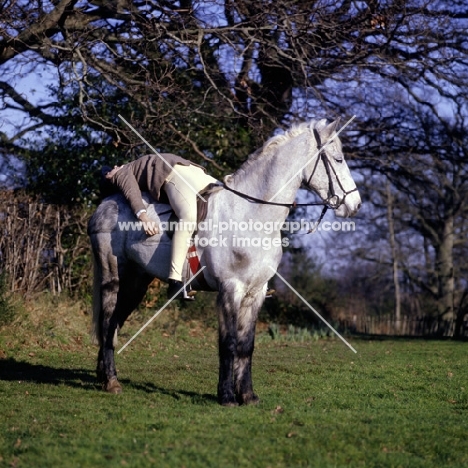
(273, 143)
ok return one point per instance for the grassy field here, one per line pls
(397, 403)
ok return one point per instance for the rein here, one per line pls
(266, 202)
(287, 205)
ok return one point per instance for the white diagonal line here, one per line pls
(313, 310)
(160, 310)
(312, 158)
(157, 153)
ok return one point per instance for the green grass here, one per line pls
(397, 403)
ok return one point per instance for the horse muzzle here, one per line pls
(349, 206)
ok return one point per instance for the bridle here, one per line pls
(328, 203)
(322, 156)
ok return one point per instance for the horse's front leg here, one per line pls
(227, 347)
(247, 319)
(237, 319)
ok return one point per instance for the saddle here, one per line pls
(202, 200)
(193, 263)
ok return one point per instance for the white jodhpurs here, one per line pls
(181, 187)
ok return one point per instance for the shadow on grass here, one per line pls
(12, 370)
(196, 398)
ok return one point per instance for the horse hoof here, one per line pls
(228, 401)
(251, 399)
(113, 386)
(230, 404)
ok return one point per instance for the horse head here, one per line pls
(327, 174)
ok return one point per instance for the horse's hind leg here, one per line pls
(246, 321)
(119, 298)
(106, 371)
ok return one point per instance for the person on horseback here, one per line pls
(164, 176)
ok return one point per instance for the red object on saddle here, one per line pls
(195, 267)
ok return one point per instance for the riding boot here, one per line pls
(176, 286)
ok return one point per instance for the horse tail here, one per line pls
(95, 333)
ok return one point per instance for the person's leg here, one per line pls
(184, 204)
(182, 187)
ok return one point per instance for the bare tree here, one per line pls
(212, 79)
(424, 164)
(175, 68)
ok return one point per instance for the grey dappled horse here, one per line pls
(262, 190)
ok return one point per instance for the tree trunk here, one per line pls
(396, 282)
(462, 310)
(444, 270)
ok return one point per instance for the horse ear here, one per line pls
(321, 124)
(327, 132)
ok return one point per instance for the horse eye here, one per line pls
(339, 160)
